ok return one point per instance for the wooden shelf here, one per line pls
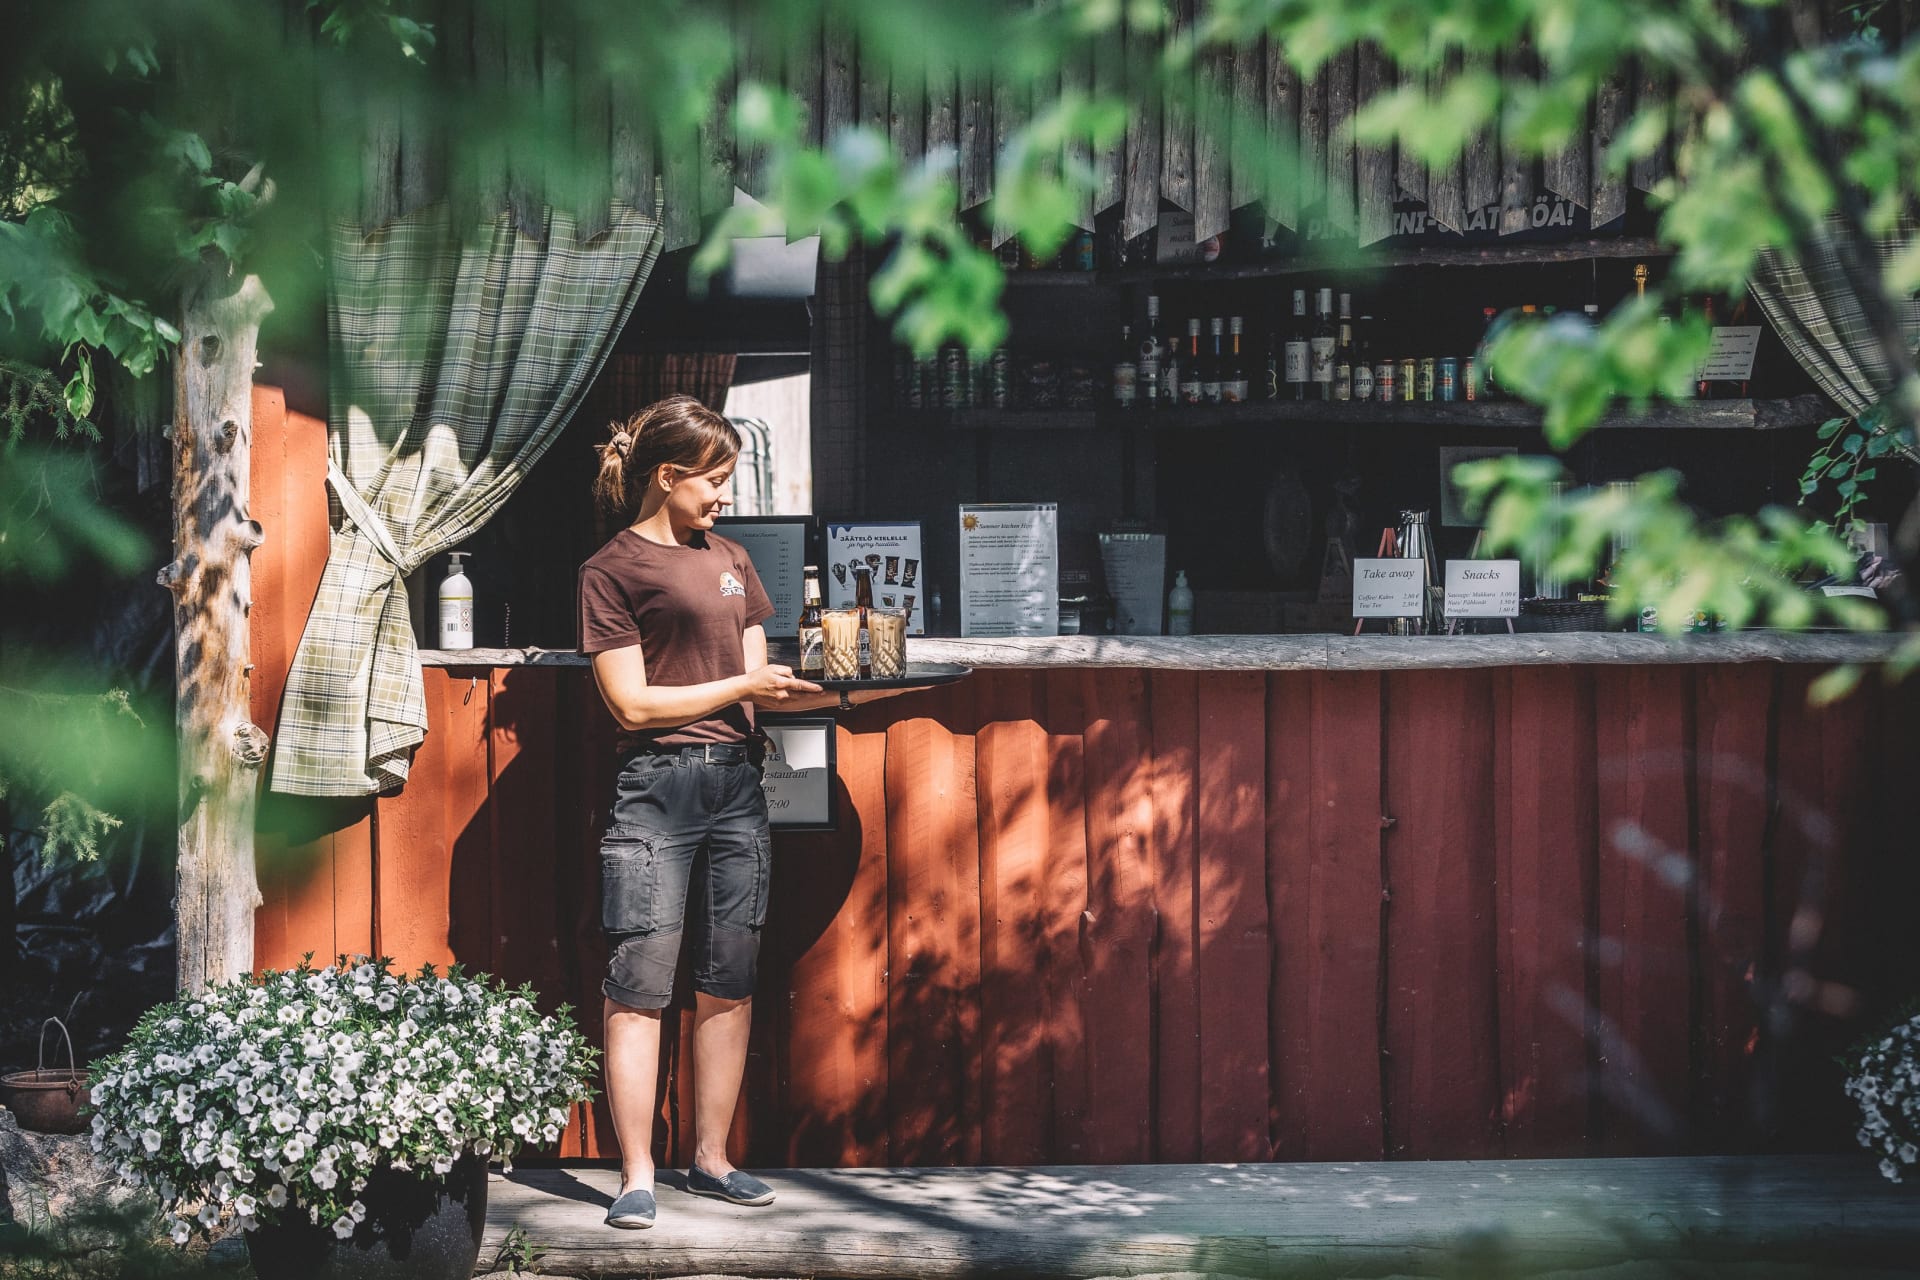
(1346, 260)
(996, 419)
(1747, 415)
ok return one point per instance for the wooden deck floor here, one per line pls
(1773, 1216)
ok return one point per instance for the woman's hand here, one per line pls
(772, 685)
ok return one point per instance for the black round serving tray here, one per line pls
(918, 675)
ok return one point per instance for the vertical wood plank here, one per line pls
(1480, 164)
(1645, 1011)
(1109, 81)
(875, 88)
(1547, 852)
(680, 177)
(488, 154)
(1410, 175)
(1144, 118)
(1247, 132)
(268, 648)
(1516, 167)
(1177, 114)
(585, 736)
(907, 106)
(942, 116)
(1076, 80)
(1567, 172)
(976, 137)
(632, 160)
(934, 941)
(1313, 145)
(1011, 753)
(839, 88)
(521, 803)
(1446, 185)
(355, 929)
(834, 892)
(759, 57)
(378, 112)
(1442, 1045)
(801, 74)
(1285, 155)
(526, 142)
(1063, 906)
(1117, 945)
(1011, 102)
(1324, 744)
(1213, 78)
(1608, 182)
(414, 871)
(1374, 164)
(1176, 736)
(1339, 76)
(1653, 92)
(1232, 943)
(1733, 711)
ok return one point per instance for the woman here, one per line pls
(671, 616)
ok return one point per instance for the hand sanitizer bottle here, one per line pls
(456, 606)
(1180, 606)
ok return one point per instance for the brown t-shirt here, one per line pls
(686, 607)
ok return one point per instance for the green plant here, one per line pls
(518, 1253)
(1848, 459)
(283, 1094)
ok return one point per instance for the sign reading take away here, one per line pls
(1483, 588)
(1388, 589)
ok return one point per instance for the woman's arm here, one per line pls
(621, 675)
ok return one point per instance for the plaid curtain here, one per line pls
(1818, 317)
(455, 361)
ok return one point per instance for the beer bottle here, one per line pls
(863, 600)
(1320, 346)
(813, 654)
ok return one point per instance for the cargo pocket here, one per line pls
(762, 875)
(627, 874)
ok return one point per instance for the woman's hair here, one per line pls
(678, 431)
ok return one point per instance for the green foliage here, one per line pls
(36, 394)
(518, 1253)
(1847, 461)
(96, 1244)
(1656, 552)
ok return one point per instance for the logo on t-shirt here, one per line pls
(730, 586)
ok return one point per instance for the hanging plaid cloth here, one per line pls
(455, 362)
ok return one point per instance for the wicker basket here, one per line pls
(1563, 615)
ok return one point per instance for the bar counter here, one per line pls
(1329, 652)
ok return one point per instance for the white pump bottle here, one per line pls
(456, 606)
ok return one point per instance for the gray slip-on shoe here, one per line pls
(633, 1210)
(738, 1187)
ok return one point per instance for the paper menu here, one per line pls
(1010, 569)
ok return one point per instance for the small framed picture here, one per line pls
(800, 772)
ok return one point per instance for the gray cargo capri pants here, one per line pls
(688, 842)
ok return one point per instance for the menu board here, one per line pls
(777, 545)
(1730, 358)
(1389, 588)
(1010, 569)
(1483, 588)
(891, 550)
(798, 777)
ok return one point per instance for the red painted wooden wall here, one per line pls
(1112, 916)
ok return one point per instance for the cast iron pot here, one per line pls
(417, 1228)
(47, 1099)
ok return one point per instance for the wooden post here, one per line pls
(221, 749)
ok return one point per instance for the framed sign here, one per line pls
(777, 545)
(1389, 588)
(1483, 588)
(1010, 569)
(890, 551)
(799, 773)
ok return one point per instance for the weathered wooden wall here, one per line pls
(1112, 916)
(1197, 144)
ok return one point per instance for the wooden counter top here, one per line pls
(1329, 652)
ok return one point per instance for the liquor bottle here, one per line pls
(1172, 356)
(1213, 373)
(1343, 351)
(1363, 360)
(1298, 360)
(1276, 366)
(1705, 389)
(1233, 384)
(1486, 388)
(1126, 373)
(1192, 389)
(1320, 347)
(813, 654)
(1147, 369)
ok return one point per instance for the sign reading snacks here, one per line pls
(799, 773)
(1389, 588)
(1483, 588)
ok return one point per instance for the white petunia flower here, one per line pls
(343, 1226)
(277, 1197)
(150, 1139)
(180, 1232)
(209, 1214)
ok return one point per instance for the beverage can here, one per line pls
(1470, 378)
(1449, 378)
(1000, 378)
(1409, 370)
(1383, 382)
(1427, 377)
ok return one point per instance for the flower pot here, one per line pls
(418, 1227)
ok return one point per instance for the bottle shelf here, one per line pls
(1745, 415)
(1694, 415)
(1354, 260)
